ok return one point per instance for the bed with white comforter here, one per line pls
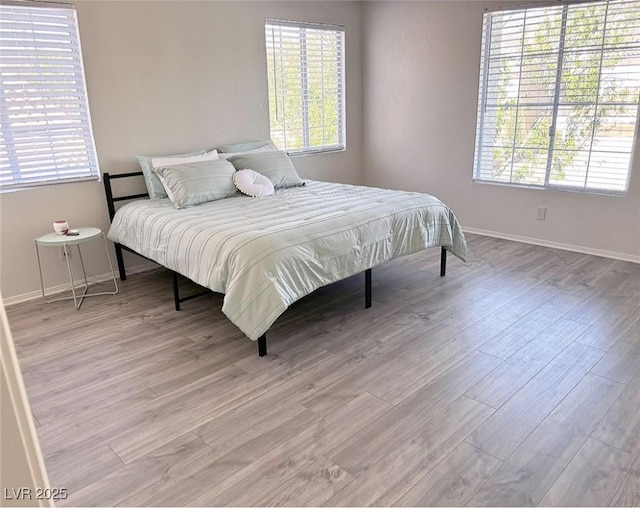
(265, 253)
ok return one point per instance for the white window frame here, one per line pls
(487, 74)
(277, 111)
(46, 135)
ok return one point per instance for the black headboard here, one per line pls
(108, 190)
(111, 205)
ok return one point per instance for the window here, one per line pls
(46, 129)
(558, 99)
(305, 67)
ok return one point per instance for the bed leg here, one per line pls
(176, 291)
(367, 288)
(262, 345)
(443, 262)
(120, 260)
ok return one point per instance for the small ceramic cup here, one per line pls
(61, 227)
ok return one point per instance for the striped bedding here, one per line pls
(266, 253)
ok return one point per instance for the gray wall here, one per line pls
(166, 77)
(169, 77)
(421, 71)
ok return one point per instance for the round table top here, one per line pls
(54, 239)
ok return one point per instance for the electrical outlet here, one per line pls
(61, 253)
(542, 213)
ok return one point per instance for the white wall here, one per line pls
(173, 76)
(168, 77)
(421, 70)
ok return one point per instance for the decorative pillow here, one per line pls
(245, 147)
(276, 166)
(252, 183)
(197, 182)
(154, 186)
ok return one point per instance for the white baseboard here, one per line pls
(556, 245)
(13, 300)
(505, 236)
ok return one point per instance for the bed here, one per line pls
(265, 253)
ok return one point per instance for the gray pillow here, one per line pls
(245, 147)
(154, 186)
(197, 182)
(276, 166)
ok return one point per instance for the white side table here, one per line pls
(65, 241)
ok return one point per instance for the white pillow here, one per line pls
(161, 162)
(266, 148)
(252, 183)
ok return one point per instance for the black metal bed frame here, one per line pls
(177, 299)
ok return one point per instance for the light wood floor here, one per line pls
(514, 380)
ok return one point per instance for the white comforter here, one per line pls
(266, 253)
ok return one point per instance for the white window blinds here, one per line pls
(46, 129)
(558, 98)
(305, 67)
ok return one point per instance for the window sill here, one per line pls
(52, 183)
(333, 149)
(617, 194)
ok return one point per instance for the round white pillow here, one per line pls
(252, 183)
